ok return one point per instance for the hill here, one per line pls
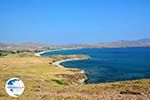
(39, 46)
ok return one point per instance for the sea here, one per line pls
(110, 64)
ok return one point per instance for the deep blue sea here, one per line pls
(111, 64)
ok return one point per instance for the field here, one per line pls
(45, 81)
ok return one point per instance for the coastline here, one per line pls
(58, 83)
(42, 52)
(58, 64)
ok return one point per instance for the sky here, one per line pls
(73, 21)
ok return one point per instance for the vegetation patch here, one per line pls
(60, 82)
(130, 92)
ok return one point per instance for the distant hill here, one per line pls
(39, 46)
(144, 40)
(123, 43)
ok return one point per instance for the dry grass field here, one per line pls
(45, 81)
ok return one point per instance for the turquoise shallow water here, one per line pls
(111, 64)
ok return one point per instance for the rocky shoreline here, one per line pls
(80, 76)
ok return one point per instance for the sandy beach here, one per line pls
(57, 63)
(40, 53)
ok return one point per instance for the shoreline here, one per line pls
(42, 52)
(58, 64)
